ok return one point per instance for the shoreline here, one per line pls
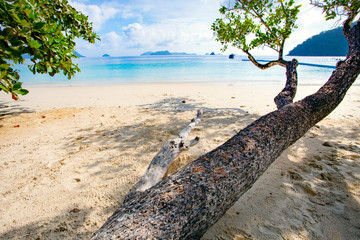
(235, 83)
(224, 84)
(69, 155)
(255, 99)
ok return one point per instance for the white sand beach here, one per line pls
(69, 155)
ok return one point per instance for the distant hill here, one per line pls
(161, 53)
(146, 53)
(78, 54)
(106, 55)
(327, 43)
(165, 53)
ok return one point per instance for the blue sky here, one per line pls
(131, 27)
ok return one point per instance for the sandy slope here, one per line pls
(68, 156)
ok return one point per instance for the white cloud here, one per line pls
(111, 40)
(180, 33)
(134, 32)
(97, 14)
(151, 25)
(133, 27)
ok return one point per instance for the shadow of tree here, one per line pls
(319, 193)
(331, 186)
(149, 133)
(121, 151)
(69, 225)
(175, 104)
(12, 109)
(139, 141)
(311, 191)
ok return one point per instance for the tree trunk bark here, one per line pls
(187, 203)
(286, 96)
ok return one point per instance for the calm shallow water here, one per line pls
(180, 69)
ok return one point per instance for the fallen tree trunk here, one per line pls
(187, 203)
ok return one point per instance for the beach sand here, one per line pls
(69, 155)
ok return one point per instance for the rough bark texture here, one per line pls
(186, 204)
(286, 96)
(167, 154)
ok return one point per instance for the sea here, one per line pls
(196, 69)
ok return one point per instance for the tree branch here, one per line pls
(286, 96)
(347, 24)
(187, 203)
(352, 35)
(279, 62)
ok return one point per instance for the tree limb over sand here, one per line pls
(187, 203)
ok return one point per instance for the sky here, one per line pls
(132, 27)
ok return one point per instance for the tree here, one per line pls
(251, 24)
(185, 204)
(46, 31)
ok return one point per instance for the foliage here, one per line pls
(256, 23)
(46, 31)
(334, 8)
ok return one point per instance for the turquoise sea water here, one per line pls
(181, 69)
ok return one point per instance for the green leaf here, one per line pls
(4, 88)
(34, 44)
(17, 86)
(50, 39)
(256, 23)
(4, 66)
(49, 69)
(12, 77)
(22, 91)
(44, 29)
(39, 25)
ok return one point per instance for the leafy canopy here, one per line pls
(46, 31)
(256, 23)
(334, 8)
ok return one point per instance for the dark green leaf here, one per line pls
(22, 91)
(34, 44)
(17, 86)
(39, 25)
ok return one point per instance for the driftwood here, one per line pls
(185, 204)
(167, 154)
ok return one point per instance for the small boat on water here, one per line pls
(231, 56)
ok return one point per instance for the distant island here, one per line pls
(106, 55)
(161, 53)
(78, 54)
(146, 53)
(327, 43)
(165, 53)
